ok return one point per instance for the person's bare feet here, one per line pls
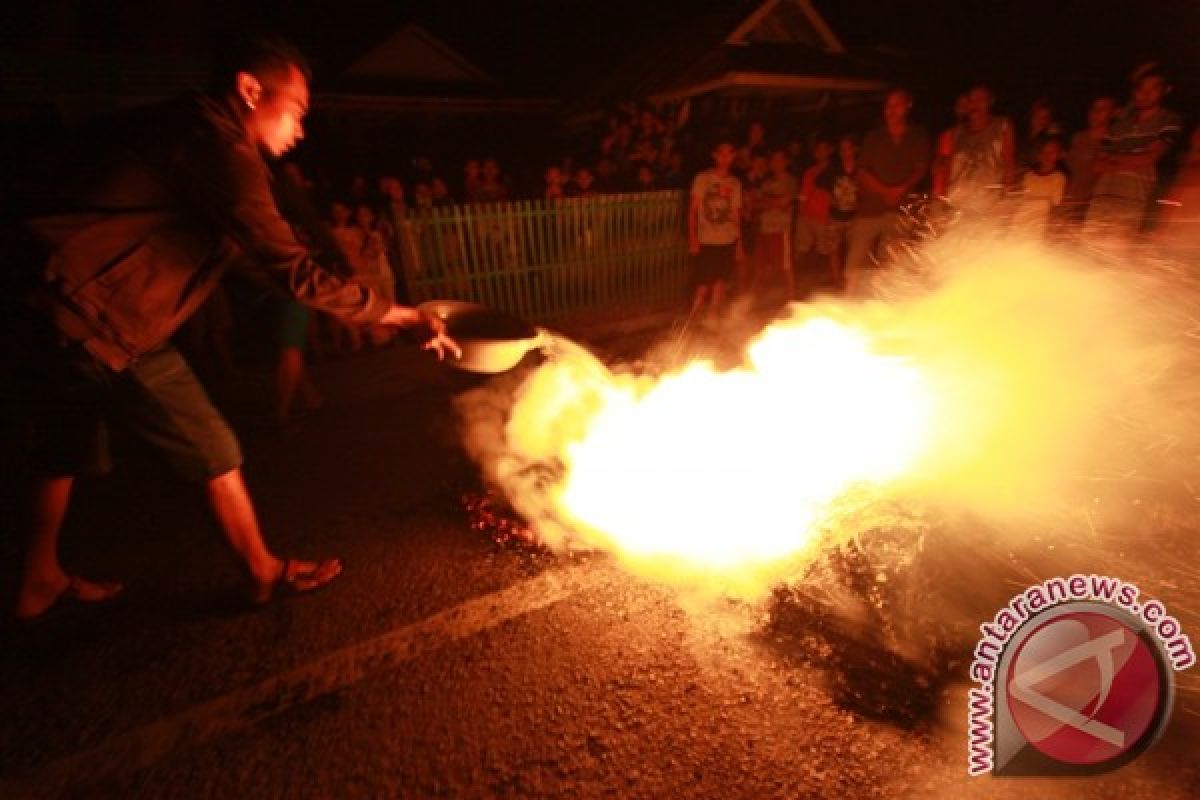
(296, 577)
(38, 596)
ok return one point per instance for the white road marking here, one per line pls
(147, 745)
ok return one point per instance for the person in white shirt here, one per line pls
(1044, 186)
(715, 229)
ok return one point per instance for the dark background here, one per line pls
(1068, 49)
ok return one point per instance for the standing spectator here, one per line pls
(751, 184)
(650, 128)
(714, 229)
(776, 204)
(795, 154)
(603, 178)
(1045, 185)
(566, 166)
(1127, 167)
(812, 238)
(583, 185)
(297, 205)
(491, 186)
(292, 379)
(393, 210)
(673, 176)
(841, 181)
(440, 191)
(422, 170)
(646, 180)
(893, 161)
(1042, 126)
(393, 217)
(617, 148)
(1179, 225)
(554, 184)
(295, 328)
(1081, 158)
(376, 272)
(945, 147)
(645, 153)
(422, 196)
(472, 180)
(981, 162)
(347, 336)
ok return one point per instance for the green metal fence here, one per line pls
(548, 260)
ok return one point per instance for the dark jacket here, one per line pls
(178, 196)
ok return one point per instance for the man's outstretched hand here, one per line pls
(439, 342)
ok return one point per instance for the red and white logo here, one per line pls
(1085, 689)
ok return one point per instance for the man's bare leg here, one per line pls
(43, 580)
(235, 515)
(288, 375)
(718, 297)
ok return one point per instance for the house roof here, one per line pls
(741, 45)
(753, 67)
(413, 54)
(413, 71)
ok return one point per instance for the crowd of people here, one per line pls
(830, 217)
(818, 208)
(776, 210)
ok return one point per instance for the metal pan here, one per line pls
(492, 341)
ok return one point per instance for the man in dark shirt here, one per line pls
(893, 160)
(181, 196)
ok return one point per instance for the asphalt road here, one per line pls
(443, 664)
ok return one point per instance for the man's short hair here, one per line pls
(903, 91)
(264, 57)
(982, 87)
(1151, 70)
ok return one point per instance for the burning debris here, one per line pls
(491, 515)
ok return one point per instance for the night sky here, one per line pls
(1068, 49)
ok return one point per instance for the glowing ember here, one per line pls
(488, 514)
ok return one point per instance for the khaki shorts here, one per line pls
(71, 398)
(824, 237)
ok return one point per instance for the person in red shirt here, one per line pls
(814, 240)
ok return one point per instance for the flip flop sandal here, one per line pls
(296, 580)
(73, 596)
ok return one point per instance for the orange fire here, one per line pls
(716, 473)
(994, 393)
(729, 469)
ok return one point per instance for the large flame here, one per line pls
(1020, 375)
(730, 469)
